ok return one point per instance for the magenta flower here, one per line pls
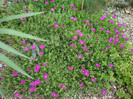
(123, 36)
(111, 65)
(54, 94)
(88, 37)
(46, 76)
(93, 79)
(42, 46)
(80, 56)
(36, 70)
(15, 74)
(72, 45)
(121, 45)
(110, 38)
(126, 39)
(111, 22)
(108, 47)
(27, 49)
(81, 35)
(74, 8)
(38, 41)
(106, 12)
(87, 73)
(70, 67)
(38, 66)
(63, 26)
(85, 48)
(72, 18)
(71, 5)
(108, 31)
(33, 83)
(22, 19)
(38, 82)
(89, 24)
(29, 68)
(87, 21)
(24, 9)
(114, 43)
(113, 16)
(81, 42)
(104, 16)
(23, 42)
(88, 51)
(52, 9)
(17, 95)
(81, 84)
(41, 53)
(21, 73)
(75, 37)
(44, 64)
(52, 0)
(102, 29)
(15, 1)
(109, 41)
(56, 25)
(29, 11)
(104, 92)
(98, 65)
(63, 7)
(131, 49)
(33, 47)
(119, 25)
(22, 82)
(63, 86)
(101, 18)
(36, 0)
(46, 2)
(78, 31)
(93, 29)
(35, 57)
(55, 7)
(32, 89)
(75, 19)
(103, 49)
(82, 66)
(83, 70)
(67, 87)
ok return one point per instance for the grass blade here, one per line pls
(8, 48)
(20, 34)
(11, 64)
(12, 17)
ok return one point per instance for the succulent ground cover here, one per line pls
(84, 53)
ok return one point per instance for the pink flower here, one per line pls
(33, 83)
(85, 48)
(63, 7)
(63, 26)
(109, 41)
(52, 9)
(26, 0)
(78, 31)
(114, 43)
(22, 82)
(44, 64)
(29, 11)
(108, 31)
(32, 89)
(21, 73)
(80, 56)
(75, 37)
(123, 36)
(46, 76)
(111, 22)
(121, 45)
(87, 21)
(103, 49)
(46, 2)
(23, 89)
(72, 45)
(22, 19)
(104, 16)
(131, 49)
(98, 65)
(89, 24)
(74, 8)
(56, 25)
(38, 82)
(33, 47)
(81, 84)
(27, 49)
(55, 7)
(88, 37)
(87, 73)
(29, 68)
(47, 81)
(75, 19)
(106, 12)
(36, 69)
(52, 0)
(93, 79)
(24, 9)
(38, 66)
(117, 40)
(88, 51)
(42, 46)
(35, 57)
(81, 35)
(17, 95)
(38, 41)
(23, 42)
(71, 5)
(102, 29)
(67, 87)
(101, 18)
(81, 42)
(63, 86)
(82, 66)
(72, 18)
(41, 53)
(83, 70)
(54, 94)
(15, 74)
(15, 1)
(111, 65)
(126, 39)
(119, 25)
(70, 67)
(30, 77)
(36, 0)
(104, 92)
(93, 29)
(112, 12)
(113, 16)
(108, 47)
